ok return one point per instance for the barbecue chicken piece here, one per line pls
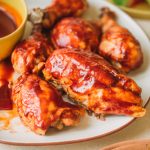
(40, 106)
(63, 8)
(29, 55)
(75, 33)
(92, 82)
(118, 45)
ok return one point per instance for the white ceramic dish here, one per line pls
(90, 127)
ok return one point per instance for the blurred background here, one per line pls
(138, 9)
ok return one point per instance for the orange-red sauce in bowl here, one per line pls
(10, 19)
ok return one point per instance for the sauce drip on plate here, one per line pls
(6, 117)
(6, 72)
(5, 96)
(7, 110)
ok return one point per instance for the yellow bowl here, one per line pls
(8, 42)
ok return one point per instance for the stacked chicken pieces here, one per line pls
(84, 59)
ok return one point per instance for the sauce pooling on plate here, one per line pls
(7, 110)
(9, 20)
(6, 72)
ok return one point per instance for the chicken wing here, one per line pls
(40, 106)
(118, 45)
(63, 8)
(92, 82)
(29, 55)
(75, 33)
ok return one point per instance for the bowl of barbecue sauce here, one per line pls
(13, 15)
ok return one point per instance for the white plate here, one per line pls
(89, 127)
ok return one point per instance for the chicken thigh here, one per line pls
(63, 8)
(29, 55)
(75, 33)
(92, 82)
(40, 106)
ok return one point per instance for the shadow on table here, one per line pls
(139, 129)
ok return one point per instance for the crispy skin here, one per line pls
(89, 80)
(63, 8)
(40, 106)
(75, 33)
(118, 45)
(30, 54)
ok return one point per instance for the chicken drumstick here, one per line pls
(118, 45)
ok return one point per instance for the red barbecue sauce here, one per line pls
(10, 19)
(6, 72)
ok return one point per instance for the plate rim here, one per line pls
(93, 137)
(73, 141)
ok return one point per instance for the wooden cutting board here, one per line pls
(130, 145)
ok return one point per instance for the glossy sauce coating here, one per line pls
(30, 54)
(40, 105)
(90, 80)
(118, 45)
(75, 33)
(121, 48)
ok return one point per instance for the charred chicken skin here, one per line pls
(118, 45)
(40, 106)
(92, 82)
(63, 8)
(30, 54)
(75, 33)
